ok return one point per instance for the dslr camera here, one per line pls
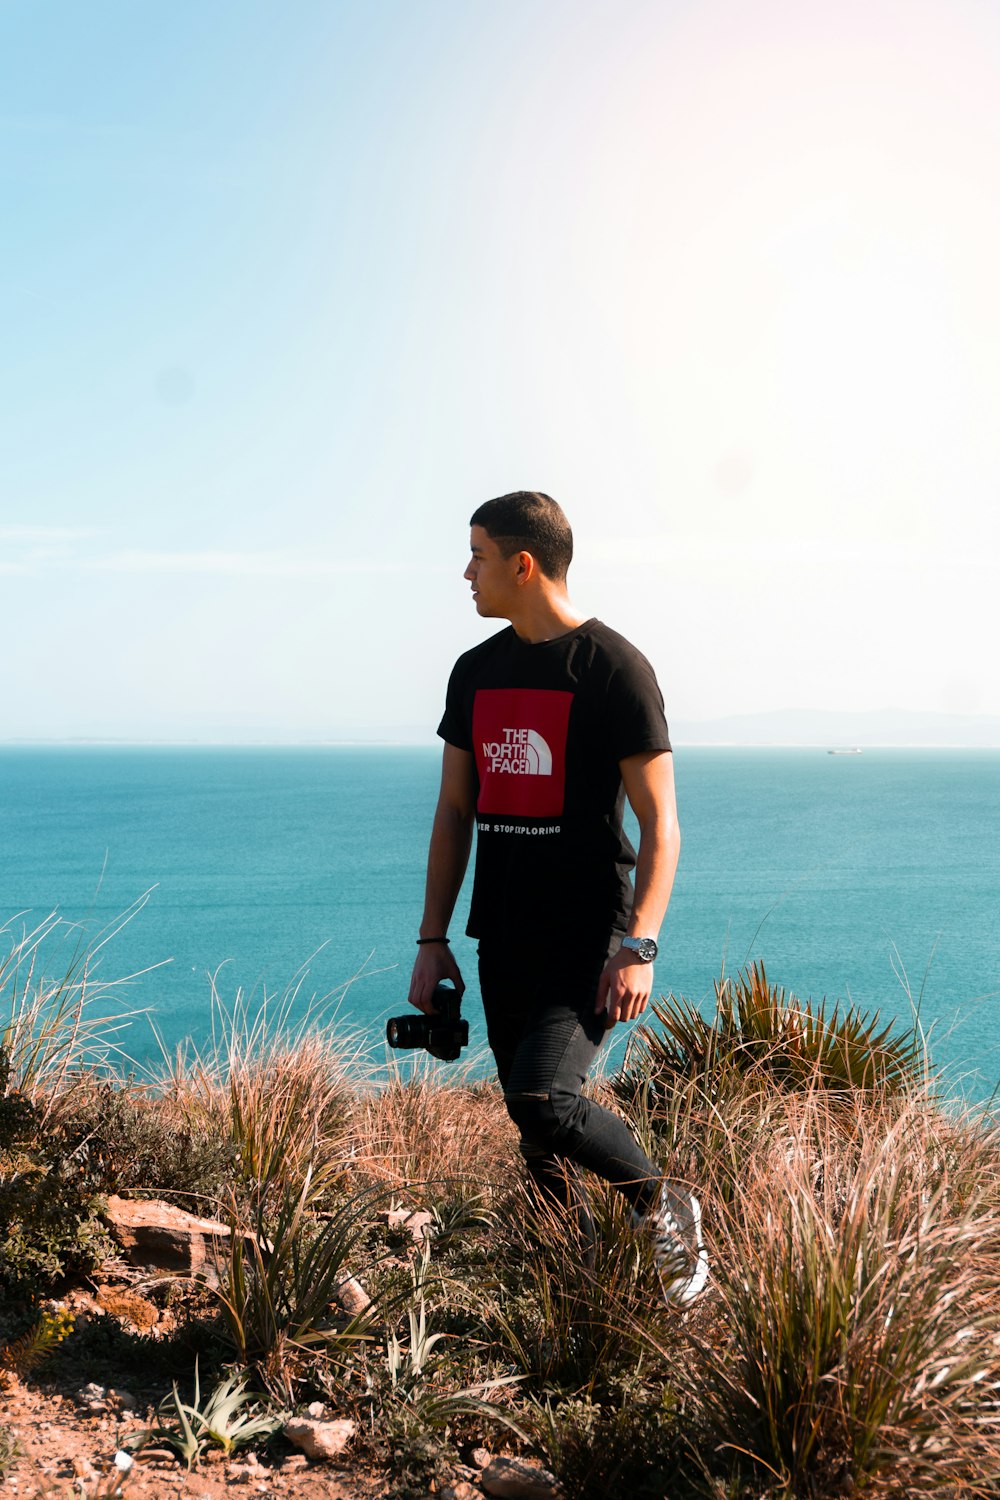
(442, 1034)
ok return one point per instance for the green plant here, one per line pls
(229, 1418)
(281, 1280)
(407, 1365)
(52, 1033)
(418, 1413)
(134, 1139)
(629, 1444)
(458, 1213)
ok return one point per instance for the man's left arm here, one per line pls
(648, 778)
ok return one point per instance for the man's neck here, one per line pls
(544, 617)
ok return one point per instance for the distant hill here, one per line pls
(834, 730)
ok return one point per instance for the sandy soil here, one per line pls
(65, 1444)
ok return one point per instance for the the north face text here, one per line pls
(521, 752)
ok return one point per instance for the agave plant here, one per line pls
(230, 1418)
(416, 1404)
(757, 1027)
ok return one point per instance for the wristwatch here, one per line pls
(645, 949)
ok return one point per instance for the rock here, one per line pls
(244, 1473)
(317, 1410)
(461, 1490)
(480, 1458)
(352, 1297)
(91, 1392)
(293, 1462)
(160, 1237)
(128, 1307)
(83, 1306)
(92, 1397)
(127, 1401)
(319, 1441)
(518, 1479)
(416, 1221)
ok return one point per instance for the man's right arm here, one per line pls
(447, 859)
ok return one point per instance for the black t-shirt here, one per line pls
(547, 725)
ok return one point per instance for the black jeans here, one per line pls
(544, 1035)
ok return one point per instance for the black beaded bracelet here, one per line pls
(422, 941)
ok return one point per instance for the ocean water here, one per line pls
(873, 878)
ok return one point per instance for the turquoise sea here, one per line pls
(873, 878)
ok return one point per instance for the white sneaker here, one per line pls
(674, 1230)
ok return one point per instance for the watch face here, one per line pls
(644, 948)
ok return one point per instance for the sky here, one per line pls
(288, 290)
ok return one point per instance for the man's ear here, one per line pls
(527, 567)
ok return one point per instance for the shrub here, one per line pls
(133, 1140)
(10, 1450)
(628, 1444)
(49, 1230)
(31, 1348)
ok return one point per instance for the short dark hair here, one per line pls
(529, 521)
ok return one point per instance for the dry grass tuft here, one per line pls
(427, 1124)
(55, 1028)
(281, 1088)
(857, 1286)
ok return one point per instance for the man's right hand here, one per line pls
(435, 962)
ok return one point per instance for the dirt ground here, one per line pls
(68, 1450)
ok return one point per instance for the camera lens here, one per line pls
(406, 1031)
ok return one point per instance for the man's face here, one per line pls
(492, 576)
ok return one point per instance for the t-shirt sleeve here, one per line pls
(454, 727)
(636, 718)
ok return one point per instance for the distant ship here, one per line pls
(853, 750)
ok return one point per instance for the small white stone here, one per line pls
(123, 1461)
(319, 1440)
(91, 1393)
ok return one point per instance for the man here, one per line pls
(548, 725)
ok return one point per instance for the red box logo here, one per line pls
(519, 737)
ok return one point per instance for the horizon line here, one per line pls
(373, 742)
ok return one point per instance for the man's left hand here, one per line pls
(624, 987)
